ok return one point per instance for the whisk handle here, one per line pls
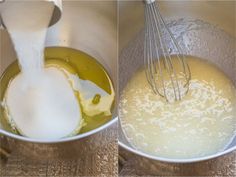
(149, 1)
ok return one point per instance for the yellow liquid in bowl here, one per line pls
(74, 62)
(202, 123)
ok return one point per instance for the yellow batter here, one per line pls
(202, 123)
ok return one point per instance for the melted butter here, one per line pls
(78, 67)
(202, 123)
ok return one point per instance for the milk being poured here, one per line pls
(40, 101)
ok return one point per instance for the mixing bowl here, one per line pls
(91, 28)
(205, 29)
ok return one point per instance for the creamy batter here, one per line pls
(202, 123)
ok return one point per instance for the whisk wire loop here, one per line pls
(167, 58)
(156, 53)
(185, 66)
(157, 58)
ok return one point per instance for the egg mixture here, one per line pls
(202, 123)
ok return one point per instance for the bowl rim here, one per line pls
(62, 140)
(169, 160)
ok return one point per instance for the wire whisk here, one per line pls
(168, 74)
